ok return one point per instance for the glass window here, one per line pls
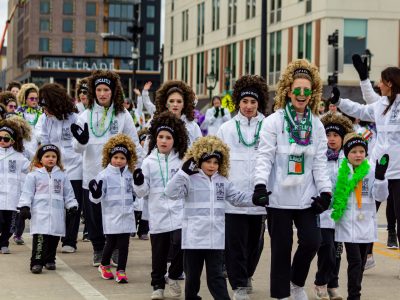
(115, 10)
(200, 73)
(90, 46)
(250, 9)
(250, 56)
(90, 25)
(308, 40)
(185, 25)
(67, 45)
(300, 41)
(215, 14)
(215, 61)
(90, 8)
(355, 38)
(150, 11)
(68, 25)
(150, 28)
(200, 24)
(232, 14)
(68, 7)
(171, 49)
(184, 68)
(149, 64)
(149, 48)
(272, 52)
(44, 7)
(308, 6)
(44, 25)
(44, 44)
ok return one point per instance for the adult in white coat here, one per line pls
(215, 116)
(291, 163)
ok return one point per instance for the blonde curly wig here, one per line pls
(336, 118)
(23, 125)
(22, 94)
(286, 81)
(209, 144)
(120, 139)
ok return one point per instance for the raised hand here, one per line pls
(189, 166)
(96, 188)
(81, 135)
(361, 66)
(147, 85)
(335, 95)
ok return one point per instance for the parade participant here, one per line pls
(13, 168)
(113, 188)
(329, 254)
(143, 99)
(47, 192)
(179, 98)
(82, 91)
(215, 116)
(354, 209)
(291, 163)
(203, 181)
(245, 227)
(104, 117)
(167, 146)
(3, 111)
(14, 87)
(9, 101)
(60, 113)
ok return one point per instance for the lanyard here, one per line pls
(101, 125)
(164, 180)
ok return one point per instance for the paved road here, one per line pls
(76, 279)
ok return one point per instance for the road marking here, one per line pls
(381, 249)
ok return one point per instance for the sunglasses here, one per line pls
(6, 139)
(11, 106)
(33, 99)
(306, 91)
(83, 92)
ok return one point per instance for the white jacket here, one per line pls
(242, 158)
(203, 224)
(47, 195)
(193, 130)
(211, 123)
(387, 126)
(164, 214)
(272, 164)
(58, 132)
(352, 228)
(13, 169)
(116, 200)
(122, 123)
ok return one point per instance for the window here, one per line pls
(150, 28)
(232, 59)
(44, 7)
(149, 48)
(44, 25)
(67, 45)
(304, 41)
(200, 73)
(119, 48)
(355, 38)
(68, 7)
(184, 69)
(91, 8)
(185, 25)
(275, 45)
(215, 14)
(121, 11)
(250, 9)
(90, 46)
(68, 25)
(44, 44)
(172, 5)
(172, 36)
(250, 56)
(171, 70)
(90, 25)
(232, 12)
(150, 11)
(308, 40)
(149, 64)
(308, 6)
(200, 24)
(119, 28)
(276, 11)
(215, 62)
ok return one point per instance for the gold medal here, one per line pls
(360, 216)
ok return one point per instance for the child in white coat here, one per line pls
(113, 188)
(46, 193)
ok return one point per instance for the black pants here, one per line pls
(44, 249)
(141, 225)
(193, 265)
(160, 244)
(356, 258)
(6, 220)
(280, 222)
(244, 242)
(120, 242)
(94, 222)
(72, 222)
(19, 225)
(394, 204)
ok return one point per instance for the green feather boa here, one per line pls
(345, 186)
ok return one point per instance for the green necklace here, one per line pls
(37, 114)
(164, 179)
(256, 136)
(104, 132)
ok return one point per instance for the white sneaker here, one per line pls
(297, 292)
(321, 292)
(370, 263)
(158, 294)
(5, 250)
(68, 249)
(174, 288)
(240, 294)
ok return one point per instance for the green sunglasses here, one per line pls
(306, 91)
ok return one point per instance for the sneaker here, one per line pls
(85, 237)
(120, 277)
(249, 285)
(321, 292)
(144, 237)
(114, 258)
(133, 234)
(157, 294)
(5, 250)
(97, 256)
(50, 266)
(174, 288)
(105, 272)
(370, 263)
(36, 269)
(240, 294)
(68, 249)
(334, 294)
(18, 240)
(392, 240)
(297, 292)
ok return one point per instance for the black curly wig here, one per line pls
(256, 82)
(18, 140)
(13, 84)
(55, 99)
(181, 139)
(6, 97)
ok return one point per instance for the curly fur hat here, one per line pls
(5, 97)
(18, 135)
(120, 139)
(26, 129)
(188, 98)
(251, 82)
(209, 144)
(287, 78)
(22, 94)
(181, 139)
(336, 118)
(117, 93)
(80, 84)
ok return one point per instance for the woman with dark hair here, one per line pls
(14, 87)
(215, 116)
(82, 94)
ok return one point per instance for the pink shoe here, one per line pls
(120, 277)
(106, 272)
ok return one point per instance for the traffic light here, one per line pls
(332, 80)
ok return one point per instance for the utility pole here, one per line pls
(333, 40)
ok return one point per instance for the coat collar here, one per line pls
(43, 170)
(244, 120)
(99, 108)
(115, 170)
(6, 151)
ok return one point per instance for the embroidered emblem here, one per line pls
(12, 166)
(114, 127)
(220, 191)
(57, 186)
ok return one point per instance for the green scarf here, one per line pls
(299, 130)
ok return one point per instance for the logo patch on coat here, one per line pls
(12, 166)
(173, 172)
(220, 191)
(365, 188)
(128, 185)
(114, 127)
(66, 133)
(57, 186)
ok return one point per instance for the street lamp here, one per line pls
(211, 82)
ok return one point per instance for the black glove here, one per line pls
(189, 166)
(222, 112)
(25, 213)
(361, 66)
(335, 95)
(95, 188)
(216, 112)
(72, 211)
(381, 167)
(321, 203)
(138, 177)
(261, 195)
(81, 135)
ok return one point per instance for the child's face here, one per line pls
(210, 166)
(49, 159)
(118, 160)
(175, 104)
(32, 100)
(356, 155)
(165, 141)
(334, 140)
(103, 95)
(5, 140)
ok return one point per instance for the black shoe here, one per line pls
(36, 269)
(50, 266)
(392, 240)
